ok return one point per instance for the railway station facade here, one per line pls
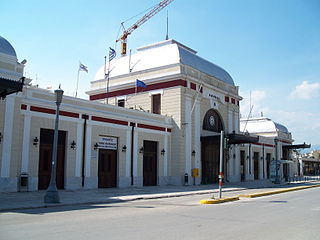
(166, 108)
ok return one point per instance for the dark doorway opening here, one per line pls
(242, 165)
(256, 165)
(210, 156)
(150, 149)
(107, 168)
(45, 158)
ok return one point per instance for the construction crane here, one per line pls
(141, 21)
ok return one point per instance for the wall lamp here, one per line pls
(247, 157)
(95, 146)
(163, 152)
(0, 137)
(73, 145)
(35, 141)
(261, 158)
(124, 148)
(141, 150)
(193, 153)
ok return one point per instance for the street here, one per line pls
(293, 215)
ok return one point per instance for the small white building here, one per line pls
(275, 143)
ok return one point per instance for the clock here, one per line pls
(211, 121)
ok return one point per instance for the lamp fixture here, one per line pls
(35, 141)
(95, 146)
(73, 145)
(193, 153)
(124, 148)
(248, 157)
(141, 150)
(163, 152)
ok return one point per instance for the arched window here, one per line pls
(212, 121)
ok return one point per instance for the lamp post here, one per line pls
(52, 195)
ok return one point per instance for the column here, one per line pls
(187, 137)
(26, 144)
(79, 149)
(137, 180)
(89, 182)
(197, 143)
(7, 136)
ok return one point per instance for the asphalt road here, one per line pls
(292, 215)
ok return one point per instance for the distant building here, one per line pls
(258, 160)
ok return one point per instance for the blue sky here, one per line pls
(271, 48)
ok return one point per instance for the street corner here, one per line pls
(218, 200)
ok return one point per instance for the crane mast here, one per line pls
(146, 17)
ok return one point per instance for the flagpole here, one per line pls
(108, 81)
(104, 76)
(77, 82)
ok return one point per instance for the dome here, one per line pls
(6, 47)
(163, 54)
(261, 125)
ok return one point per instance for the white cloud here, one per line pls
(305, 91)
(304, 126)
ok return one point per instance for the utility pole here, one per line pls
(221, 163)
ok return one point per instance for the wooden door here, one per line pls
(107, 168)
(45, 158)
(150, 163)
(256, 165)
(268, 157)
(210, 156)
(242, 165)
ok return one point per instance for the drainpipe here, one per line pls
(85, 117)
(132, 143)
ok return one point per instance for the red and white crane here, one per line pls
(146, 17)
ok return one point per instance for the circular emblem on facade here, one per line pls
(211, 120)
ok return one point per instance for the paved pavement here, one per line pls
(26, 200)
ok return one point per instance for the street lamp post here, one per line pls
(52, 195)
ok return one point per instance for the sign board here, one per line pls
(215, 98)
(110, 143)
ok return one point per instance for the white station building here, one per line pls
(165, 131)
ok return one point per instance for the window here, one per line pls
(156, 103)
(121, 102)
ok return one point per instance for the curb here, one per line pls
(221, 200)
(253, 195)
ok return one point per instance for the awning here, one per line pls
(235, 138)
(8, 86)
(296, 146)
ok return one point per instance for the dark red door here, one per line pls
(210, 156)
(150, 163)
(256, 165)
(107, 168)
(45, 158)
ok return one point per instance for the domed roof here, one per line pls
(261, 125)
(163, 54)
(6, 47)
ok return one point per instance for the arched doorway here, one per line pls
(210, 147)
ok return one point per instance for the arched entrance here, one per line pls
(210, 147)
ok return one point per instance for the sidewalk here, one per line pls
(28, 200)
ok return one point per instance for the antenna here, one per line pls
(167, 37)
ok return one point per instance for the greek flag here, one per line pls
(112, 54)
(83, 67)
